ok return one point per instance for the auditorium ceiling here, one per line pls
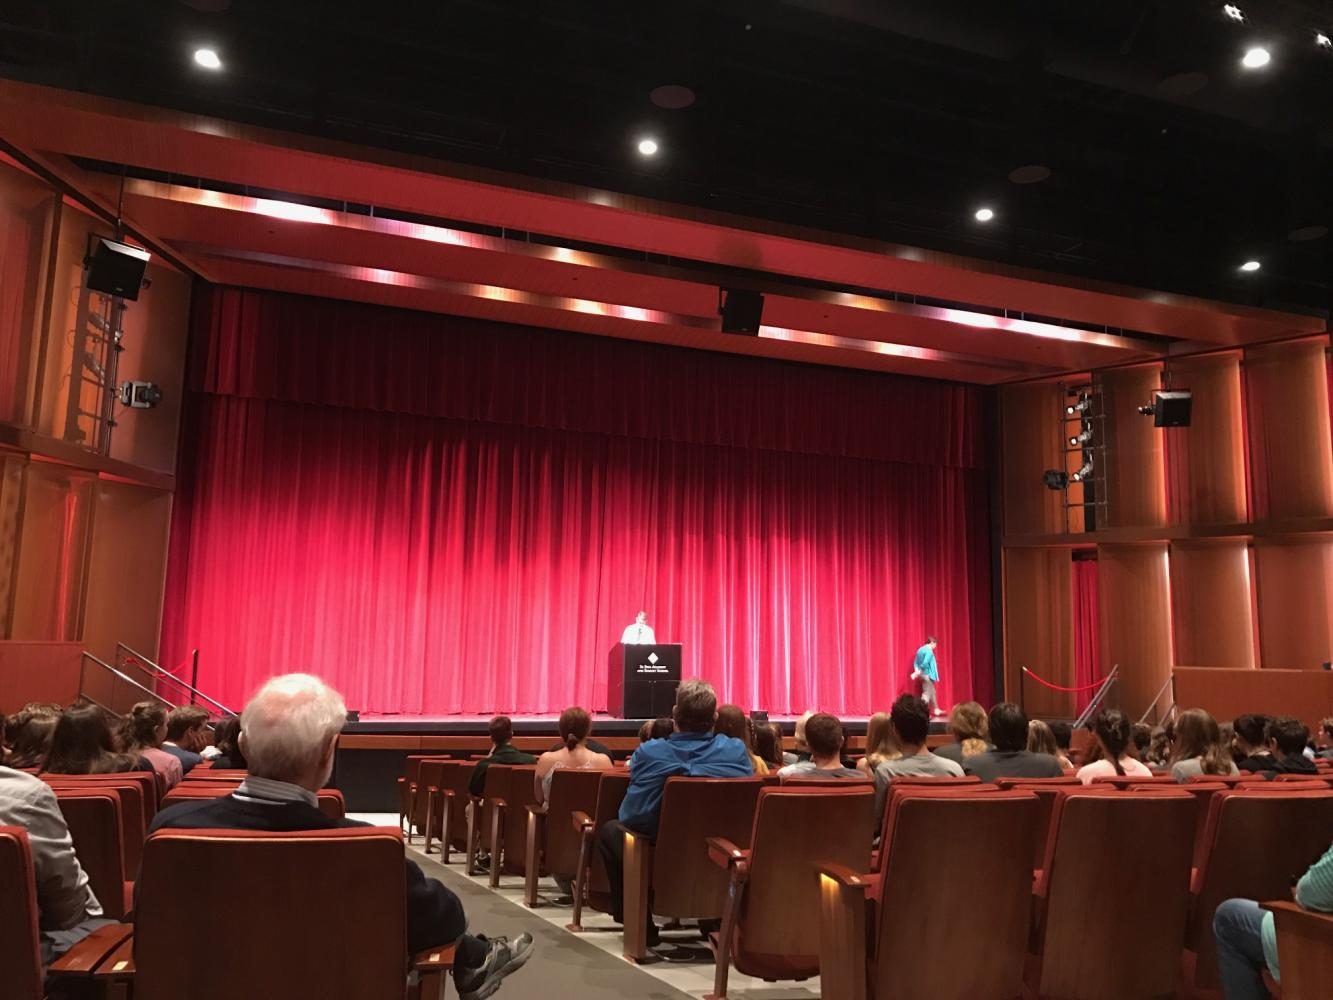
(482, 159)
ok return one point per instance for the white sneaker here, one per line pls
(503, 958)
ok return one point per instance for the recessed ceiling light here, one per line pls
(207, 58)
(647, 147)
(1233, 12)
(1256, 58)
(984, 215)
(1322, 40)
(1250, 266)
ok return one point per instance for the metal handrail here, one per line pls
(127, 679)
(161, 672)
(1097, 698)
(1156, 698)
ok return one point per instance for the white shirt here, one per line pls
(639, 635)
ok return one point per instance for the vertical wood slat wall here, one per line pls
(1217, 545)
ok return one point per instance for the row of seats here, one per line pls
(1038, 880)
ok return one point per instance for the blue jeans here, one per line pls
(1240, 949)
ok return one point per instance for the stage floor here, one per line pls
(384, 724)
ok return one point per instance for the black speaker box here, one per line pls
(741, 311)
(116, 268)
(1172, 408)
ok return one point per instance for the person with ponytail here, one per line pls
(1113, 732)
(1198, 748)
(574, 727)
(141, 735)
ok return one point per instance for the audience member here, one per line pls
(1041, 739)
(1112, 731)
(289, 732)
(226, 736)
(693, 750)
(574, 726)
(1140, 741)
(798, 738)
(29, 734)
(1324, 739)
(82, 744)
(967, 725)
(910, 722)
(187, 735)
(656, 729)
(879, 744)
(732, 721)
(768, 744)
(67, 909)
(1199, 748)
(1159, 748)
(824, 736)
(1286, 745)
(1251, 743)
(142, 733)
(1064, 736)
(503, 751)
(1008, 727)
(1247, 938)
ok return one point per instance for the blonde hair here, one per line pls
(798, 736)
(968, 724)
(1041, 739)
(880, 744)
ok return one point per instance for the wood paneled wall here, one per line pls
(1295, 583)
(1205, 463)
(38, 671)
(1134, 594)
(1039, 630)
(1291, 451)
(1029, 433)
(1134, 485)
(1212, 618)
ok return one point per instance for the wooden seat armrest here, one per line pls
(434, 959)
(1287, 906)
(497, 803)
(843, 875)
(119, 964)
(537, 810)
(843, 914)
(89, 953)
(723, 853)
(582, 821)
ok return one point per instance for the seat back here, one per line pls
(309, 882)
(411, 804)
(947, 849)
(134, 815)
(430, 774)
(686, 883)
(1046, 790)
(217, 774)
(496, 786)
(330, 800)
(573, 789)
(796, 828)
(610, 794)
(20, 946)
(521, 793)
(1256, 841)
(455, 778)
(1125, 781)
(1113, 856)
(93, 818)
(331, 803)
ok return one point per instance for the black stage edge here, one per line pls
(368, 777)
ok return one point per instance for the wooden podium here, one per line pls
(642, 680)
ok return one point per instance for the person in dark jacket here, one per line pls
(288, 734)
(1287, 738)
(1008, 727)
(503, 751)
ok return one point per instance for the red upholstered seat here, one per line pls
(93, 818)
(135, 795)
(1046, 790)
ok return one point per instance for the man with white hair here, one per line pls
(289, 732)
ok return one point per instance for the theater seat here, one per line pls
(451, 798)
(590, 885)
(676, 872)
(520, 793)
(1304, 951)
(308, 914)
(330, 800)
(774, 885)
(93, 818)
(1113, 857)
(948, 916)
(134, 813)
(1046, 790)
(1129, 780)
(407, 791)
(552, 843)
(486, 821)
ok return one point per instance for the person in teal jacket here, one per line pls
(927, 671)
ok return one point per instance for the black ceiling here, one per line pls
(1169, 163)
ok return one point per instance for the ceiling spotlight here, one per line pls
(1233, 12)
(1083, 405)
(1322, 40)
(647, 147)
(1250, 266)
(207, 58)
(1083, 437)
(1055, 479)
(984, 215)
(1084, 472)
(1256, 58)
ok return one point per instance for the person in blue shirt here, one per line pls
(927, 671)
(692, 751)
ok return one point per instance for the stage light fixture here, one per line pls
(1083, 405)
(984, 214)
(1256, 57)
(1250, 266)
(1084, 472)
(1233, 12)
(207, 58)
(1055, 479)
(1082, 437)
(647, 147)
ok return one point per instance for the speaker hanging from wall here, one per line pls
(116, 268)
(741, 311)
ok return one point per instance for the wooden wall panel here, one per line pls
(1206, 461)
(1135, 597)
(1039, 627)
(26, 209)
(1294, 584)
(1030, 424)
(1287, 410)
(1306, 694)
(53, 535)
(38, 671)
(1210, 603)
(1135, 476)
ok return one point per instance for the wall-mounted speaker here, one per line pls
(116, 268)
(741, 311)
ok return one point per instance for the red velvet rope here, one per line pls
(1058, 687)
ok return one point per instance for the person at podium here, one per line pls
(640, 633)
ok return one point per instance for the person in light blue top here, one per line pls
(927, 671)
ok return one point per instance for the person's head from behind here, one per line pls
(911, 722)
(290, 728)
(145, 727)
(501, 730)
(931, 641)
(824, 734)
(29, 737)
(768, 743)
(969, 727)
(1008, 727)
(696, 706)
(1197, 735)
(1113, 732)
(187, 727)
(1140, 738)
(879, 737)
(1064, 735)
(1250, 733)
(226, 737)
(1041, 739)
(82, 743)
(1159, 746)
(732, 721)
(798, 734)
(1324, 735)
(574, 726)
(1287, 736)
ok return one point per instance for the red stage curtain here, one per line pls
(476, 541)
(1087, 639)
